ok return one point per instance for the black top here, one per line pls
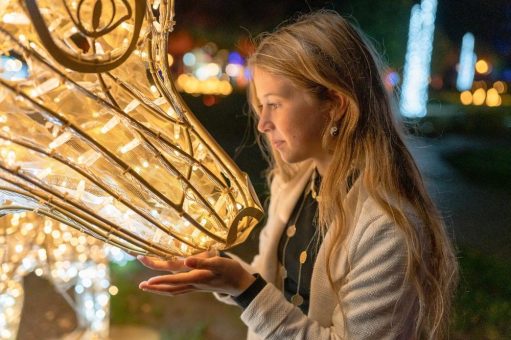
(306, 235)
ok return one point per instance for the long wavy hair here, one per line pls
(324, 54)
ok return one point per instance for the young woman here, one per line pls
(353, 247)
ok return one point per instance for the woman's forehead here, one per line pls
(267, 84)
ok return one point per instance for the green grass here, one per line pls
(488, 166)
(476, 121)
(197, 333)
(483, 300)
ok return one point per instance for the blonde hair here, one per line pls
(330, 58)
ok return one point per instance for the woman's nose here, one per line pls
(264, 124)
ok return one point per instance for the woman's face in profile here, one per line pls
(292, 119)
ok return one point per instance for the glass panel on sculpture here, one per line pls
(92, 132)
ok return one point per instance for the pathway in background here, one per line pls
(478, 215)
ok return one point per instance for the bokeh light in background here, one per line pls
(416, 75)
(467, 63)
(211, 72)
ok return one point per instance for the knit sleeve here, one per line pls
(375, 302)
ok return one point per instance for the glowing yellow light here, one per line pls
(466, 97)
(500, 86)
(110, 124)
(479, 96)
(482, 66)
(113, 290)
(126, 26)
(130, 146)
(493, 98)
(55, 233)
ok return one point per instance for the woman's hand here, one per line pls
(201, 272)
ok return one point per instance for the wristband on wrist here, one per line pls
(245, 298)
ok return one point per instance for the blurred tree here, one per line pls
(386, 22)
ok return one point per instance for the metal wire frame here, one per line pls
(189, 122)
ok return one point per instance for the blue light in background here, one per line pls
(235, 58)
(13, 68)
(392, 78)
(414, 95)
(248, 74)
(189, 59)
(466, 68)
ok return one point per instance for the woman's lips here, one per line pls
(277, 143)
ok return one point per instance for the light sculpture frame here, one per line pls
(97, 137)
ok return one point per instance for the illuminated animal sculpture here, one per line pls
(95, 135)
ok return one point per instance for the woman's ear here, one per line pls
(340, 104)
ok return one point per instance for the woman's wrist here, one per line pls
(249, 294)
(245, 282)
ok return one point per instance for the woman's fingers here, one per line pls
(165, 289)
(193, 277)
(159, 264)
(214, 264)
(174, 265)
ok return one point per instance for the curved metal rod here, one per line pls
(79, 63)
(106, 29)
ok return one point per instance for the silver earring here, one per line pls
(334, 131)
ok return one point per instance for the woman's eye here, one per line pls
(273, 106)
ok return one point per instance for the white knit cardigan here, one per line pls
(368, 273)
